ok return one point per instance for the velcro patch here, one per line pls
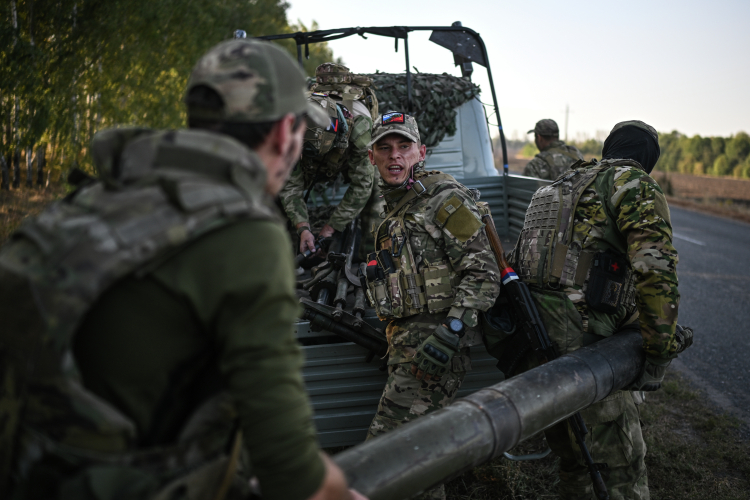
(458, 219)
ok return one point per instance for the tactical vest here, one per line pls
(545, 255)
(324, 150)
(396, 285)
(548, 155)
(157, 192)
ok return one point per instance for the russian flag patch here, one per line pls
(507, 275)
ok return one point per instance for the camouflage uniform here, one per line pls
(621, 210)
(348, 155)
(459, 241)
(149, 257)
(553, 161)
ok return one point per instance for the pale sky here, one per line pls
(677, 65)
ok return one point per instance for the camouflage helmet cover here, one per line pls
(331, 72)
(258, 82)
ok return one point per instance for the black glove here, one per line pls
(684, 336)
(434, 355)
(652, 374)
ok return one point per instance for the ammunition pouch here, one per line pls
(609, 280)
(395, 293)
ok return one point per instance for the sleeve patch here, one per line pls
(455, 217)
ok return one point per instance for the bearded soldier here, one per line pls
(432, 274)
(339, 147)
(554, 155)
(147, 318)
(596, 251)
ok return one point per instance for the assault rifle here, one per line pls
(534, 335)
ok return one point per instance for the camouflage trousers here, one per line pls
(405, 399)
(612, 439)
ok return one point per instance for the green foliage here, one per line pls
(77, 66)
(704, 155)
(590, 148)
(529, 150)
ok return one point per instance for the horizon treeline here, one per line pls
(716, 156)
(69, 68)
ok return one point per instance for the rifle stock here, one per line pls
(527, 317)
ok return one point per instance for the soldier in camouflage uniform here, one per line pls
(338, 148)
(432, 273)
(596, 251)
(148, 317)
(554, 155)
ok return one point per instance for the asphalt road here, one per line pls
(714, 284)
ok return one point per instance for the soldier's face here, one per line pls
(395, 155)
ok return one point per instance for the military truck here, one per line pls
(342, 338)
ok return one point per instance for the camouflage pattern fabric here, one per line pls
(258, 82)
(616, 441)
(434, 100)
(553, 161)
(59, 263)
(619, 208)
(354, 165)
(444, 228)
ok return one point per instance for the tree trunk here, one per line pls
(5, 171)
(30, 167)
(41, 153)
(16, 168)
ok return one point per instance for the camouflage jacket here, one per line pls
(553, 161)
(622, 211)
(354, 165)
(457, 239)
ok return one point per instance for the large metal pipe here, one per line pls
(483, 425)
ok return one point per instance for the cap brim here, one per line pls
(531, 131)
(316, 115)
(377, 137)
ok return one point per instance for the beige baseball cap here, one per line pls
(257, 80)
(395, 122)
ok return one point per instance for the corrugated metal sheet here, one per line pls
(344, 390)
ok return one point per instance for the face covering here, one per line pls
(632, 143)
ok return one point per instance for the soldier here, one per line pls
(432, 273)
(339, 147)
(554, 155)
(606, 265)
(147, 336)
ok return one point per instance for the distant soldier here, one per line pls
(554, 155)
(339, 147)
(596, 251)
(432, 275)
(147, 336)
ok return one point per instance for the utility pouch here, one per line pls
(379, 273)
(439, 287)
(608, 282)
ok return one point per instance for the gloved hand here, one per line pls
(684, 335)
(652, 374)
(434, 355)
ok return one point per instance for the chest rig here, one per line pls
(158, 192)
(400, 283)
(546, 256)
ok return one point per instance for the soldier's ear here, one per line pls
(422, 152)
(369, 155)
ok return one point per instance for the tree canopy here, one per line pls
(71, 67)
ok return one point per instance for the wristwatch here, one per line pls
(455, 326)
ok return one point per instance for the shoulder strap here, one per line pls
(417, 190)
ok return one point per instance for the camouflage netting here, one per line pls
(435, 99)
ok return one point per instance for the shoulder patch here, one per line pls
(458, 219)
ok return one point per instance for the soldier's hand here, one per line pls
(306, 241)
(684, 336)
(652, 374)
(326, 232)
(434, 355)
